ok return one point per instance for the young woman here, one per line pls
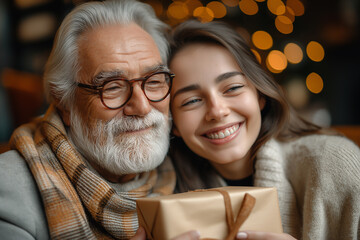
(234, 126)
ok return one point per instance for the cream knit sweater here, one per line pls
(318, 183)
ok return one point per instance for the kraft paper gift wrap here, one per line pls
(166, 217)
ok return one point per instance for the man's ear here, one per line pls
(64, 113)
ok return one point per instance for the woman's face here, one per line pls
(215, 109)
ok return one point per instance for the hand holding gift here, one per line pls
(249, 235)
(211, 213)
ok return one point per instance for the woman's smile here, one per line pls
(222, 135)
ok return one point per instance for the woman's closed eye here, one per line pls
(233, 89)
(191, 102)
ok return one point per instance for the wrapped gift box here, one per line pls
(168, 216)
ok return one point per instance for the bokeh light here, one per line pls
(178, 10)
(192, 4)
(204, 14)
(314, 83)
(257, 55)
(276, 7)
(297, 93)
(289, 13)
(297, 6)
(262, 40)
(218, 9)
(270, 68)
(283, 24)
(293, 53)
(36, 27)
(231, 3)
(249, 7)
(29, 3)
(315, 51)
(276, 61)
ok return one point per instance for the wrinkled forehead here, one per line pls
(126, 48)
(124, 39)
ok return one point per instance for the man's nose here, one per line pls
(138, 104)
(217, 109)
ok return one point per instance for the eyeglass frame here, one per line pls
(99, 89)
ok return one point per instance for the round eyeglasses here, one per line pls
(116, 92)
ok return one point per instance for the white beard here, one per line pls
(111, 148)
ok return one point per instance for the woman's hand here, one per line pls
(249, 235)
(191, 235)
(254, 235)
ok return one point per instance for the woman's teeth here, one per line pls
(223, 133)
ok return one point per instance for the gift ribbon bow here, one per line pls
(246, 207)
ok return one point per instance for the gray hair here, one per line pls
(62, 67)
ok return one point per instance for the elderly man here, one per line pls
(76, 171)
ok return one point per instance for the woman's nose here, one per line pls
(217, 109)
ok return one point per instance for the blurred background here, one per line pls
(311, 47)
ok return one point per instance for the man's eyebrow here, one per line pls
(186, 89)
(156, 68)
(227, 75)
(103, 75)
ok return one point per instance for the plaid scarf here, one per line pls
(78, 203)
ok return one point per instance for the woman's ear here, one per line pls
(262, 102)
(175, 131)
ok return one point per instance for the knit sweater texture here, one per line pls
(318, 183)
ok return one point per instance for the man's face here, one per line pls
(126, 49)
(133, 138)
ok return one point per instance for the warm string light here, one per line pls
(204, 14)
(276, 7)
(276, 61)
(231, 3)
(29, 3)
(314, 83)
(262, 40)
(249, 7)
(257, 55)
(297, 6)
(290, 14)
(179, 11)
(218, 9)
(315, 51)
(283, 24)
(297, 92)
(293, 53)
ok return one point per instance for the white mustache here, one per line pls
(132, 123)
